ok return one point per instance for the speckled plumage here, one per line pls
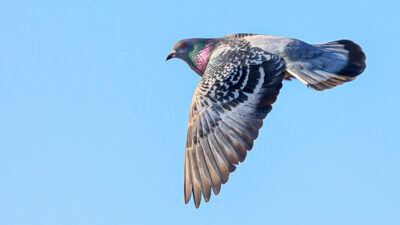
(242, 75)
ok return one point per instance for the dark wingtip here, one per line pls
(356, 59)
(197, 205)
(187, 197)
(196, 200)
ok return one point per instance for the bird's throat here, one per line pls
(198, 58)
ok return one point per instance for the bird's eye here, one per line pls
(183, 46)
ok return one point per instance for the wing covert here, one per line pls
(228, 107)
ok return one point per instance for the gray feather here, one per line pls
(241, 79)
(320, 66)
(234, 95)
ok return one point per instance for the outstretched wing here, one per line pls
(228, 108)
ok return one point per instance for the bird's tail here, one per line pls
(337, 62)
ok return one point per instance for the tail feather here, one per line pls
(333, 63)
(356, 59)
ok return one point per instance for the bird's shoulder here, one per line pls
(238, 35)
(231, 48)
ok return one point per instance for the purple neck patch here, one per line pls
(202, 57)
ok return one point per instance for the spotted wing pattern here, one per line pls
(234, 96)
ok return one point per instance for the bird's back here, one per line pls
(320, 66)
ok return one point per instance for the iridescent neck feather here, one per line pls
(198, 58)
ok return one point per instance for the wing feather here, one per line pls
(228, 108)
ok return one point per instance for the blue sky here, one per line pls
(93, 120)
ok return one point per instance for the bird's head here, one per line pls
(195, 52)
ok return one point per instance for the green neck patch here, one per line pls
(199, 56)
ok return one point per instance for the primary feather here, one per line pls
(242, 75)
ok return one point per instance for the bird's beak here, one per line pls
(171, 55)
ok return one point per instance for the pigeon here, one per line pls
(241, 76)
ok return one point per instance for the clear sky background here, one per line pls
(93, 121)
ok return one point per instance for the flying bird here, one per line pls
(242, 75)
